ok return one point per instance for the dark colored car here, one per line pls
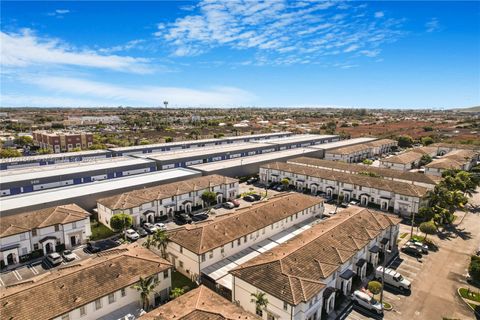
(141, 232)
(91, 247)
(329, 200)
(249, 198)
(256, 196)
(273, 185)
(252, 180)
(412, 251)
(184, 218)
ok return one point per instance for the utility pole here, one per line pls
(166, 105)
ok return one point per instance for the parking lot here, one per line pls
(36, 268)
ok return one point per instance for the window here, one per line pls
(232, 244)
(24, 251)
(173, 198)
(35, 246)
(34, 232)
(74, 225)
(181, 249)
(165, 274)
(111, 298)
(98, 304)
(203, 257)
(123, 292)
(57, 227)
(22, 236)
(83, 311)
(180, 264)
(222, 250)
(66, 316)
(210, 255)
(239, 241)
(285, 306)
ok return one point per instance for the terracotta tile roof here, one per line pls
(455, 146)
(203, 237)
(138, 197)
(453, 160)
(398, 187)
(199, 304)
(356, 168)
(69, 288)
(296, 270)
(22, 222)
(361, 147)
(411, 155)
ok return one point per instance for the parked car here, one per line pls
(366, 301)
(249, 198)
(54, 258)
(420, 245)
(68, 255)
(131, 235)
(279, 188)
(273, 185)
(91, 247)
(150, 228)
(256, 196)
(412, 251)
(354, 202)
(235, 202)
(141, 232)
(160, 226)
(252, 180)
(344, 204)
(393, 278)
(183, 217)
(228, 205)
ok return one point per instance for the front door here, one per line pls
(73, 241)
(49, 247)
(11, 259)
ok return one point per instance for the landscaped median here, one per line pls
(471, 298)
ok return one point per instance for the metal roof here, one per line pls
(64, 155)
(300, 138)
(343, 143)
(59, 194)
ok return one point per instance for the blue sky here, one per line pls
(241, 53)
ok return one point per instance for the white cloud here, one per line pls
(62, 11)
(124, 47)
(279, 31)
(432, 25)
(26, 49)
(140, 95)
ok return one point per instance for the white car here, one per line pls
(68, 255)
(150, 228)
(419, 245)
(160, 226)
(132, 235)
(393, 278)
(364, 300)
(228, 205)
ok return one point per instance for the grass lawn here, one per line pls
(386, 305)
(100, 231)
(418, 238)
(180, 281)
(403, 235)
(472, 295)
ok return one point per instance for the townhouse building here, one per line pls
(399, 197)
(444, 148)
(303, 277)
(459, 159)
(360, 152)
(195, 247)
(199, 303)
(63, 141)
(42, 231)
(420, 179)
(95, 288)
(164, 201)
(408, 160)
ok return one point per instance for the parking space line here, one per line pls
(2, 283)
(17, 275)
(33, 269)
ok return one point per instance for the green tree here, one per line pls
(330, 127)
(474, 268)
(374, 287)
(168, 139)
(176, 292)
(9, 153)
(425, 159)
(145, 287)
(149, 242)
(261, 302)
(161, 240)
(340, 199)
(426, 141)
(23, 141)
(428, 228)
(368, 162)
(121, 221)
(209, 197)
(427, 128)
(194, 134)
(405, 141)
(285, 182)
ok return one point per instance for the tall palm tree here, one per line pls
(260, 301)
(161, 240)
(150, 242)
(145, 287)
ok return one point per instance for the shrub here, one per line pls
(375, 287)
(474, 268)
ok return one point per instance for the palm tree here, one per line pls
(176, 292)
(260, 301)
(145, 287)
(150, 242)
(161, 240)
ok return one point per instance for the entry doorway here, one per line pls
(73, 241)
(11, 259)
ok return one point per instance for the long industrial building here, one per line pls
(188, 157)
(86, 195)
(151, 148)
(41, 178)
(49, 159)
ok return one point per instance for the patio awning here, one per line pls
(361, 262)
(347, 274)
(10, 247)
(47, 238)
(148, 212)
(328, 292)
(374, 249)
(384, 241)
(187, 201)
(386, 198)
